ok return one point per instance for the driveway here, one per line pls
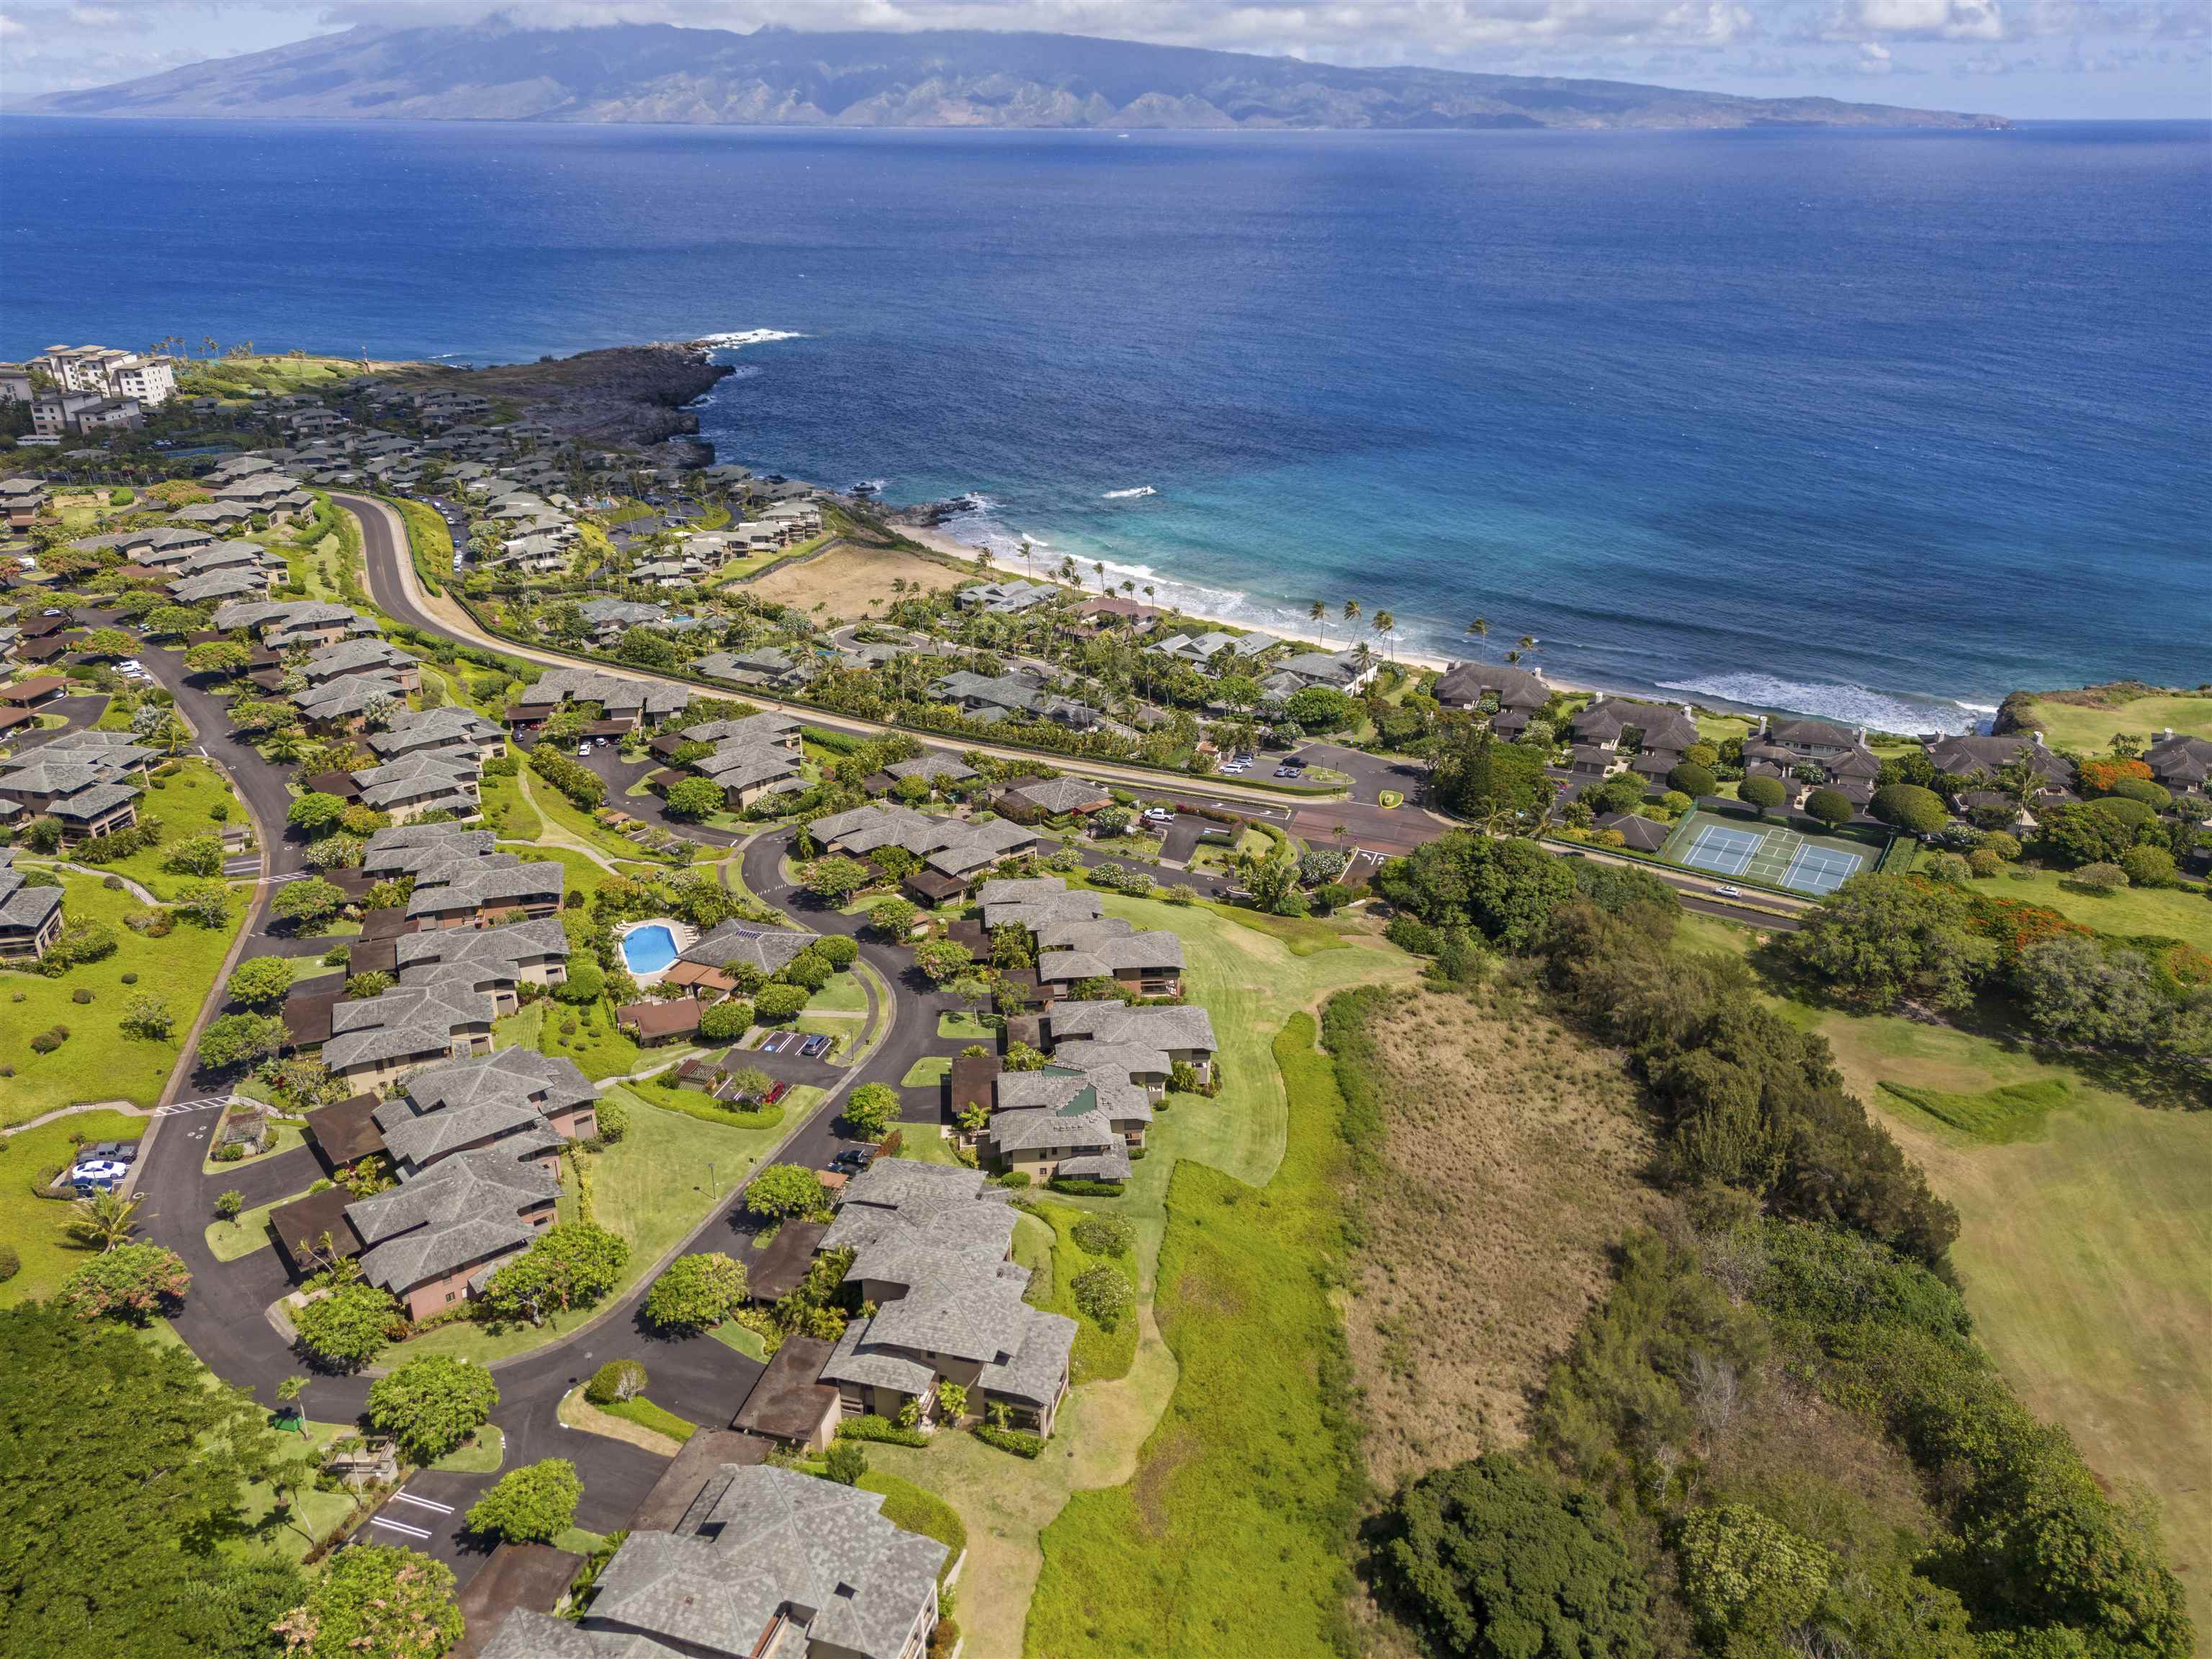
(82, 713)
(1370, 775)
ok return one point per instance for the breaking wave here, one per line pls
(1128, 495)
(749, 337)
(1848, 705)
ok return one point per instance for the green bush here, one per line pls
(778, 1003)
(873, 1427)
(838, 950)
(1411, 933)
(10, 1263)
(613, 1119)
(1010, 1440)
(845, 1462)
(618, 1379)
(1104, 1234)
(1103, 1294)
(1077, 1186)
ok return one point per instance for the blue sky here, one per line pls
(2030, 59)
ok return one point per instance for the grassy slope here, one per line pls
(1230, 1541)
(184, 802)
(99, 1063)
(2173, 912)
(34, 1226)
(1100, 1355)
(1250, 983)
(2069, 725)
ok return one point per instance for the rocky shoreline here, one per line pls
(623, 395)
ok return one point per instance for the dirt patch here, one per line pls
(1512, 1158)
(1155, 1475)
(852, 581)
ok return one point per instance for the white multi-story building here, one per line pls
(149, 381)
(108, 373)
(15, 383)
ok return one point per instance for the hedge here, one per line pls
(873, 1427)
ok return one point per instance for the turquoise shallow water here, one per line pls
(1872, 424)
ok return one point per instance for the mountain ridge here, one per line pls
(498, 70)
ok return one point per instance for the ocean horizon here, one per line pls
(1876, 425)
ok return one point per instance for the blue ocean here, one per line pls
(1880, 425)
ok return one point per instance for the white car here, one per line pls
(583, 751)
(131, 664)
(98, 1172)
(1729, 892)
(1158, 815)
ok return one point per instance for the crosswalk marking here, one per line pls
(422, 1503)
(184, 1108)
(401, 1526)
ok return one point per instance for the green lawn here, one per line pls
(2085, 1250)
(507, 812)
(2171, 912)
(1304, 934)
(98, 1062)
(312, 1516)
(694, 1103)
(558, 811)
(652, 1186)
(925, 1145)
(843, 995)
(600, 1048)
(1233, 1537)
(964, 1027)
(283, 1135)
(230, 1239)
(843, 1030)
(32, 1226)
(647, 1415)
(2069, 725)
(908, 1506)
(926, 1073)
(739, 1340)
(484, 1452)
(185, 802)
(585, 874)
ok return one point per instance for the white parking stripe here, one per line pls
(400, 1526)
(422, 1503)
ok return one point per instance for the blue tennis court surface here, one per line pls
(1821, 869)
(1723, 851)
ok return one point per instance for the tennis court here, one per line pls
(1770, 854)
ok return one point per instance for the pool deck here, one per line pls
(682, 937)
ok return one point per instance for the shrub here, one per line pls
(1076, 1186)
(2148, 867)
(872, 1427)
(132, 1281)
(1908, 807)
(431, 1404)
(46, 1041)
(2101, 877)
(725, 1022)
(1104, 1234)
(1103, 1293)
(10, 1263)
(778, 1003)
(1411, 933)
(1013, 1440)
(1983, 864)
(617, 1380)
(1015, 1178)
(81, 996)
(613, 1119)
(533, 1505)
(845, 1462)
(228, 1203)
(840, 952)
(1693, 780)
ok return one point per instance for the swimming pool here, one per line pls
(648, 949)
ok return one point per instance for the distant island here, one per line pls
(497, 70)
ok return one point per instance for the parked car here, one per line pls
(1159, 815)
(583, 751)
(98, 1174)
(776, 1092)
(854, 1159)
(815, 1047)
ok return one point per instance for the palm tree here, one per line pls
(1352, 611)
(104, 1220)
(1384, 623)
(1363, 653)
(1319, 612)
(1479, 629)
(288, 1401)
(1527, 642)
(1098, 569)
(1148, 592)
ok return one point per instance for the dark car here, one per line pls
(776, 1092)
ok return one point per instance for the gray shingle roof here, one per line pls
(769, 949)
(1184, 1027)
(462, 1209)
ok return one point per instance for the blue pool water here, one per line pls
(649, 950)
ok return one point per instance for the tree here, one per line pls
(260, 981)
(1102, 1293)
(1882, 938)
(132, 1281)
(315, 813)
(228, 1203)
(1623, 792)
(375, 1601)
(726, 1021)
(204, 903)
(112, 1442)
(696, 1294)
(431, 1404)
(695, 798)
(839, 952)
(1747, 1577)
(1516, 890)
(104, 1220)
(941, 959)
(1496, 1562)
(2085, 995)
(290, 1403)
(107, 642)
(304, 903)
(1477, 775)
(346, 1328)
(2149, 867)
(1693, 780)
(872, 1109)
(1908, 807)
(533, 1505)
(782, 1190)
(1763, 793)
(195, 856)
(234, 1040)
(777, 1003)
(834, 880)
(572, 1264)
(1830, 807)
(1320, 708)
(845, 1462)
(615, 1381)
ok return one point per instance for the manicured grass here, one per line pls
(1100, 1354)
(1302, 935)
(312, 1515)
(925, 1145)
(647, 1415)
(98, 1062)
(2069, 725)
(485, 1450)
(740, 1339)
(283, 1135)
(507, 812)
(577, 1542)
(1996, 1116)
(692, 1102)
(1390, 798)
(584, 875)
(843, 995)
(185, 802)
(965, 1028)
(229, 1241)
(926, 1073)
(843, 1030)
(652, 1186)
(1233, 1537)
(2084, 1253)
(908, 1506)
(32, 1226)
(2170, 912)
(559, 812)
(597, 1045)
